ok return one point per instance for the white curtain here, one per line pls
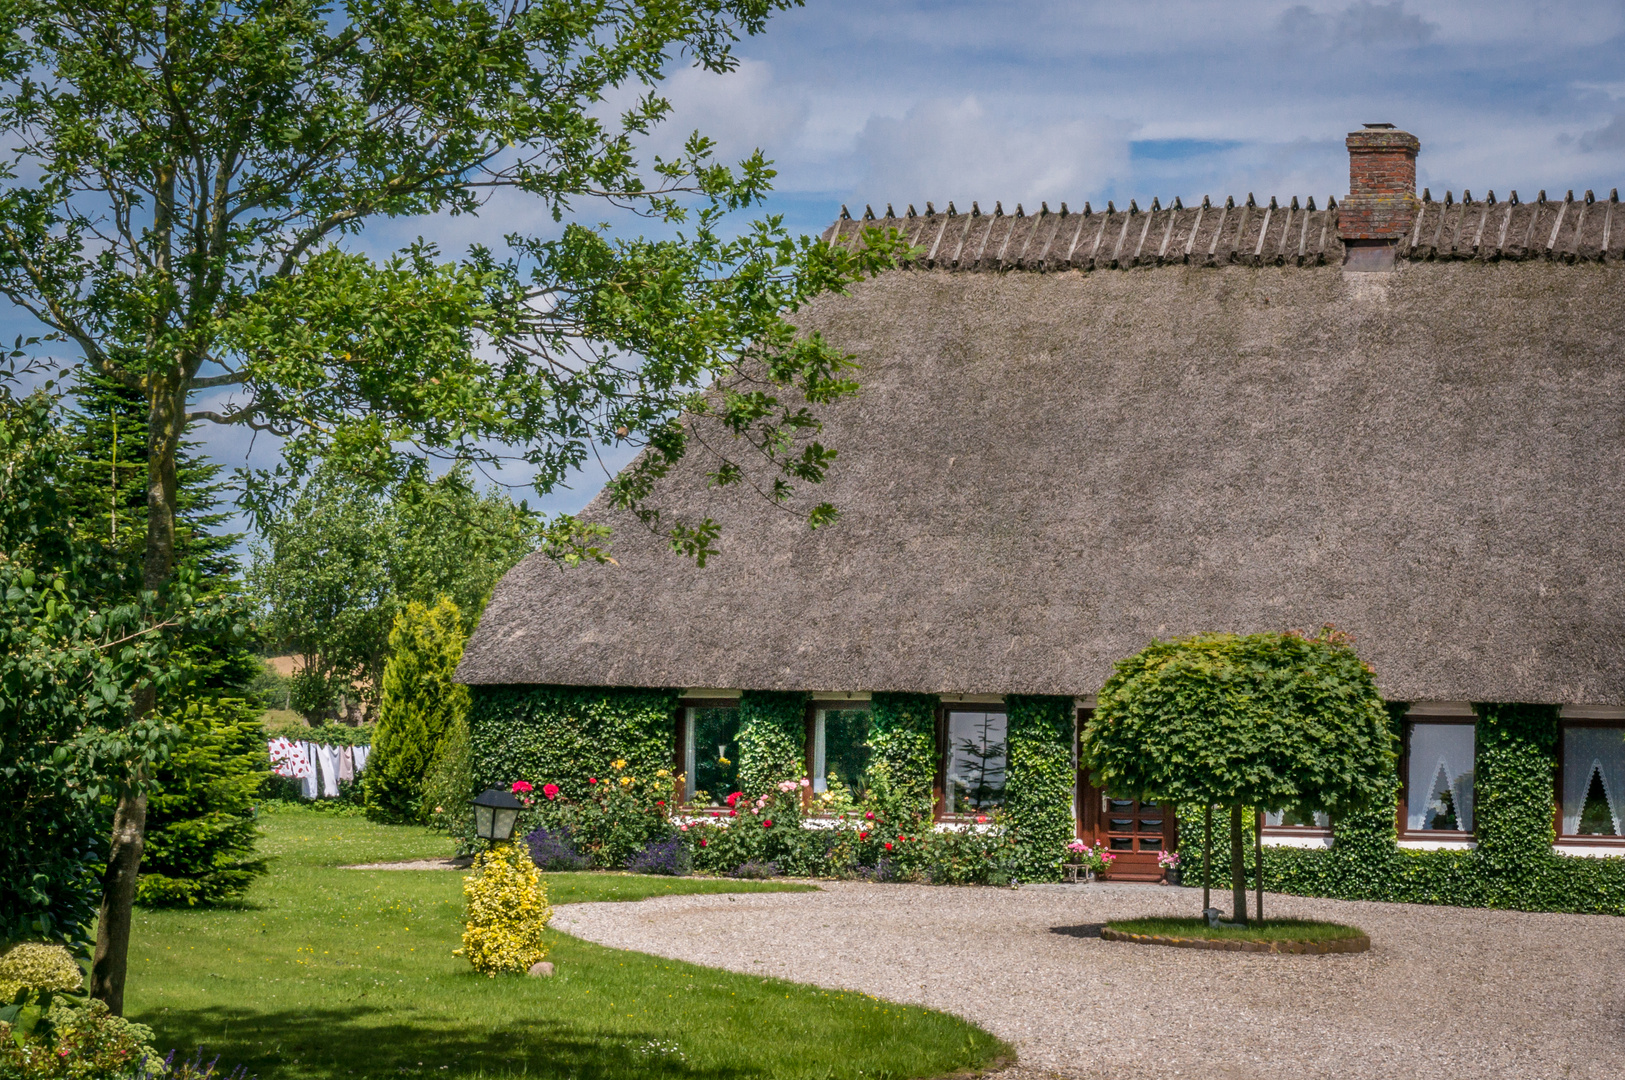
(820, 769)
(1273, 819)
(1441, 762)
(1588, 751)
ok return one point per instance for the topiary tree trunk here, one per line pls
(420, 701)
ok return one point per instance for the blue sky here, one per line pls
(1025, 100)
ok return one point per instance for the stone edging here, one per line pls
(1339, 945)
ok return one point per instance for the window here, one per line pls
(840, 748)
(1593, 780)
(974, 755)
(1293, 818)
(1439, 778)
(710, 753)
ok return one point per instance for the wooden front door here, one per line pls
(1133, 831)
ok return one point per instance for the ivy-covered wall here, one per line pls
(1512, 865)
(1039, 779)
(772, 739)
(903, 748)
(567, 734)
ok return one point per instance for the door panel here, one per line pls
(1133, 831)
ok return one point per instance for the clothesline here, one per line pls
(318, 767)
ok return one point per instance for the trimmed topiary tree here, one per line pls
(1038, 784)
(772, 739)
(1263, 722)
(420, 702)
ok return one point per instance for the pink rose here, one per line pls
(869, 815)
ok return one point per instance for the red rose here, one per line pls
(660, 802)
(888, 845)
(870, 815)
(704, 842)
(592, 779)
(767, 824)
(863, 836)
(550, 790)
(733, 813)
(734, 798)
(521, 786)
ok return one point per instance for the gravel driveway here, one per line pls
(1444, 992)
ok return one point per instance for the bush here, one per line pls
(82, 1042)
(200, 815)
(33, 965)
(507, 911)
(420, 704)
(670, 857)
(448, 789)
(551, 849)
(620, 815)
(755, 871)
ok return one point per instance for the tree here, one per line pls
(420, 705)
(1264, 722)
(200, 818)
(184, 180)
(80, 652)
(343, 559)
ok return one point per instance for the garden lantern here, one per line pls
(495, 813)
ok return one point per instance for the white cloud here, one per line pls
(944, 149)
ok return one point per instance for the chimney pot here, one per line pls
(1381, 203)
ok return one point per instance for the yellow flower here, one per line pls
(618, 764)
(626, 781)
(663, 773)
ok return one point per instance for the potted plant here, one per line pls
(1169, 861)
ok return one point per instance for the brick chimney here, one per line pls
(1382, 202)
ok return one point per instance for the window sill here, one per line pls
(1298, 838)
(1447, 842)
(1583, 847)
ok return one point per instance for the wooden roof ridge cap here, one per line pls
(1570, 227)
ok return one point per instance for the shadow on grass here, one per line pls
(339, 1044)
(1083, 930)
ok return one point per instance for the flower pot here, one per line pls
(1171, 877)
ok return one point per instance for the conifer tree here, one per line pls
(420, 704)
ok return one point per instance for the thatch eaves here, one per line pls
(1044, 471)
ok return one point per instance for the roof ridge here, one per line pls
(1257, 233)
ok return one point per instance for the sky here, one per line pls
(1021, 101)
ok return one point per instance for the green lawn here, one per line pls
(1265, 930)
(329, 973)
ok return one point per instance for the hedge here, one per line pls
(1038, 784)
(772, 739)
(1512, 865)
(567, 734)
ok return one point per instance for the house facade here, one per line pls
(1080, 430)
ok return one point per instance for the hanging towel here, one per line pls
(362, 753)
(329, 756)
(309, 781)
(346, 765)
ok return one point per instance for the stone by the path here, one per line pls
(542, 969)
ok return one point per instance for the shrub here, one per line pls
(36, 966)
(670, 857)
(620, 815)
(200, 816)
(755, 871)
(448, 789)
(551, 849)
(420, 704)
(83, 1042)
(507, 911)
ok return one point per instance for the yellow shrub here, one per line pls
(507, 911)
(38, 967)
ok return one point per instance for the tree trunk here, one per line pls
(1258, 859)
(118, 899)
(111, 960)
(1238, 870)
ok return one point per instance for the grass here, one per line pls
(327, 974)
(1267, 930)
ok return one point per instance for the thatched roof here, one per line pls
(1045, 470)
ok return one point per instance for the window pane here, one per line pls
(841, 747)
(976, 760)
(711, 755)
(1441, 778)
(1295, 818)
(1593, 775)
